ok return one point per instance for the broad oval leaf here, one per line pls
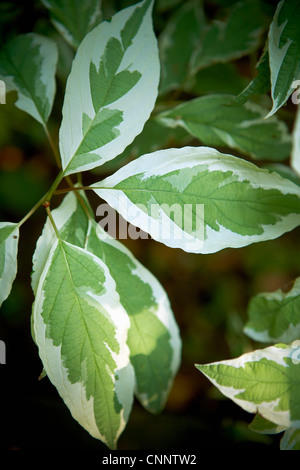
(284, 52)
(275, 316)
(28, 65)
(81, 330)
(74, 18)
(9, 238)
(265, 381)
(111, 90)
(213, 121)
(201, 200)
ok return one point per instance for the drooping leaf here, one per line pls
(275, 316)
(265, 381)
(284, 52)
(229, 39)
(153, 337)
(9, 237)
(214, 122)
(81, 330)
(28, 65)
(74, 18)
(200, 200)
(177, 42)
(111, 90)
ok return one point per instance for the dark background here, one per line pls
(209, 295)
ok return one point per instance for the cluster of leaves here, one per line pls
(102, 322)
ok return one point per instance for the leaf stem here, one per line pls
(53, 147)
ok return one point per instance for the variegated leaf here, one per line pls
(265, 381)
(111, 90)
(214, 122)
(28, 65)
(81, 330)
(263, 426)
(153, 336)
(9, 237)
(74, 18)
(284, 52)
(200, 200)
(275, 316)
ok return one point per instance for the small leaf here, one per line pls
(265, 381)
(81, 330)
(74, 18)
(214, 122)
(275, 316)
(290, 440)
(28, 65)
(201, 200)
(263, 426)
(111, 90)
(284, 52)
(9, 237)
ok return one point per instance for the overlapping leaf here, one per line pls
(235, 36)
(9, 237)
(177, 42)
(284, 52)
(200, 200)
(74, 18)
(111, 90)
(28, 65)
(266, 381)
(214, 122)
(295, 156)
(153, 337)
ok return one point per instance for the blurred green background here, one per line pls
(209, 293)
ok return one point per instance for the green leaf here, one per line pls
(290, 440)
(260, 84)
(81, 331)
(265, 381)
(214, 122)
(111, 90)
(201, 200)
(9, 237)
(263, 426)
(231, 38)
(153, 337)
(74, 18)
(177, 42)
(295, 156)
(275, 316)
(284, 52)
(28, 65)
